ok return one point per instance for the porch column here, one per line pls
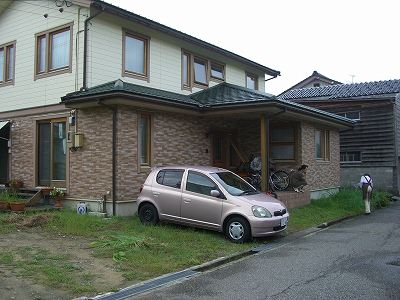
(264, 124)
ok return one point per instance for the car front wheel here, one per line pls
(238, 230)
(148, 214)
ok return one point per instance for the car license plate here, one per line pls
(284, 221)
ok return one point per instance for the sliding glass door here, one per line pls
(52, 153)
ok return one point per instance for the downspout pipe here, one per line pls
(113, 154)
(85, 43)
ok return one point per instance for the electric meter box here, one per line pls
(78, 140)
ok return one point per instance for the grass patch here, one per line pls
(54, 270)
(347, 202)
(141, 252)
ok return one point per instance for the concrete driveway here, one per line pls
(356, 259)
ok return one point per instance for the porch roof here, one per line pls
(217, 98)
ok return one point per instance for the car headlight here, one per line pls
(261, 212)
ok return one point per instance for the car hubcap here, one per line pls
(148, 215)
(236, 230)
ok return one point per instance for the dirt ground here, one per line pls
(15, 286)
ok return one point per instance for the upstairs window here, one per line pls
(135, 56)
(353, 115)
(7, 64)
(217, 71)
(186, 82)
(200, 71)
(251, 81)
(322, 145)
(53, 52)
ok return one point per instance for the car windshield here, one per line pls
(233, 184)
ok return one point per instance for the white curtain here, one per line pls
(42, 54)
(134, 55)
(60, 46)
(10, 71)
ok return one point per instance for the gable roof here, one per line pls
(112, 9)
(223, 95)
(314, 76)
(344, 91)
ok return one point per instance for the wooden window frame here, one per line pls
(146, 39)
(188, 85)
(145, 166)
(6, 63)
(325, 145)
(199, 84)
(217, 79)
(191, 73)
(47, 69)
(255, 77)
(284, 143)
(53, 183)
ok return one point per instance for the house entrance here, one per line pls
(225, 151)
(52, 153)
(4, 160)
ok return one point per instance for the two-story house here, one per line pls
(372, 146)
(92, 96)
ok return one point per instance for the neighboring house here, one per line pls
(314, 80)
(136, 94)
(372, 146)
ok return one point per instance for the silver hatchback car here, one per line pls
(211, 198)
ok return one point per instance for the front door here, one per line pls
(220, 147)
(52, 153)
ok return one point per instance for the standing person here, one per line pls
(366, 187)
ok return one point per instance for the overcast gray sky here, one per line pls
(337, 38)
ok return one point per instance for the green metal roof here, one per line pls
(223, 94)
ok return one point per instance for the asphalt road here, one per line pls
(355, 259)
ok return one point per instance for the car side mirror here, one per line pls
(215, 193)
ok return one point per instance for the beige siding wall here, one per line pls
(105, 57)
(20, 22)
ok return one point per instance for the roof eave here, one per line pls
(101, 5)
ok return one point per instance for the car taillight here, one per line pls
(141, 189)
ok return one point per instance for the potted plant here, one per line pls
(16, 184)
(11, 200)
(58, 195)
(4, 205)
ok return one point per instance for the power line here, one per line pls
(55, 9)
(32, 13)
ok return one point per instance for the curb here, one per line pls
(330, 223)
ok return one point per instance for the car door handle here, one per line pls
(187, 200)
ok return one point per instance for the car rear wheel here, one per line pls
(238, 230)
(148, 214)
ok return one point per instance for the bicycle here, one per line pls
(278, 180)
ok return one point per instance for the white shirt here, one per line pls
(365, 179)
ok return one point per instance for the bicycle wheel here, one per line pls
(279, 180)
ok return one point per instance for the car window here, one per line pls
(172, 178)
(200, 184)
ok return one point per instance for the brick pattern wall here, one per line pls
(23, 151)
(320, 174)
(91, 166)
